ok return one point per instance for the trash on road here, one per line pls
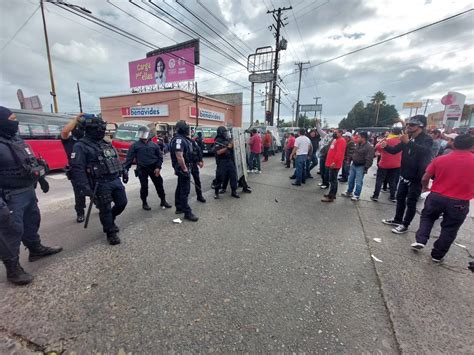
(177, 221)
(378, 240)
(376, 259)
(460, 245)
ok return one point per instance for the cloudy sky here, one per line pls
(423, 65)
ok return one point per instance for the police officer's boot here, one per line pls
(191, 217)
(40, 251)
(235, 194)
(201, 198)
(145, 206)
(216, 193)
(113, 238)
(165, 204)
(15, 273)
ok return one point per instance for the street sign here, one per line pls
(261, 61)
(311, 108)
(260, 77)
(412, 104)
(454, 104)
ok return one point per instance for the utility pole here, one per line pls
(300, 67)
(252, 103)
(279, 25)
(53, 89)
(315, 109)
(79, 96)
(377, 113)
(196, 98)
(426, 106)
(279, 100)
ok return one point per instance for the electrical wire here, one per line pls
(19, 30)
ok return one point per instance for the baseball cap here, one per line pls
(419, 120)
(451, 135)
(347, 134)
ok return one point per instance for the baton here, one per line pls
(86, 222)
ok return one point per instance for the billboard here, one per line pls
(145, 111)
(162, 68)
(412, 105)
(454, 104)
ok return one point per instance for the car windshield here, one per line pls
(207, 133)
(126, 135)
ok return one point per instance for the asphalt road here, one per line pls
(275, 271)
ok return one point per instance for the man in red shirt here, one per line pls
(255, 144)
(452, 189)
(334, 161)
(289, 148)
(267, 144)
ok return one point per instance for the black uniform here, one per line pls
(96, 162)
(20, 216)
(149, 157)
(79, 199)
(196, 158)
(180, 143)
(225, 165)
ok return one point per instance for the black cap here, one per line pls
(419, 120)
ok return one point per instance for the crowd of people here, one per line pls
(407, 159)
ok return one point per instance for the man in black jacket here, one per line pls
(149, 160)
(415, 146)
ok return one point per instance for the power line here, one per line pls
(212, 29)
(137, 39)
(19, 30)
(389, 39)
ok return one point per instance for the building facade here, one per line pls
(171, 106)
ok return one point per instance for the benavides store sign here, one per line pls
(206, 114)
(145, 111)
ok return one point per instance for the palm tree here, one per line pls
(377, 100)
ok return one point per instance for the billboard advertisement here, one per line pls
(145, 111)
(205, 114)
(162, 68)
(454, 104)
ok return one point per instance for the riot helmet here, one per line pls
(8, 127)
(94, 126)
(182, 128)
(143, 133)
(78, 132)
(221, 131)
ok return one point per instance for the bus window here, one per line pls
(38, 131)
(24, 131)
(54, 131)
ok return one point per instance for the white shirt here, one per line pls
(302, 144)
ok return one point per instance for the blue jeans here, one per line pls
(300, 168)
(356, 176)
(254, 161)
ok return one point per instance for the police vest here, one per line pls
(107, 163)
(180, 142)
(26, 171)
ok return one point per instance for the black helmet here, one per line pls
(143, 132)
(182, 128)
(221, 131)
(94, 126)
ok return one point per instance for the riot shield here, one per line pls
(240, 154)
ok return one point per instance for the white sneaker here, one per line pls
(254, 171)
(320, 183)
(355, 198)
(249, 171)
(347, 194)
(417, 246)
(258, 171)
(437, 261)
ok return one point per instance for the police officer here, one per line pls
(19, 212)
(70, 135)
(196, 164)
(181, 158)
(200, 141)
(224, 150)
(149, 160)
(95, 165)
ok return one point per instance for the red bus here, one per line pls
(42, 131)
(126, 135)
(208, 137)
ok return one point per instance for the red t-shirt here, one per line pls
(291, 142)
(255, 144)
(387, 160)
(267, 140)
(453, 175)
(336, 153)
